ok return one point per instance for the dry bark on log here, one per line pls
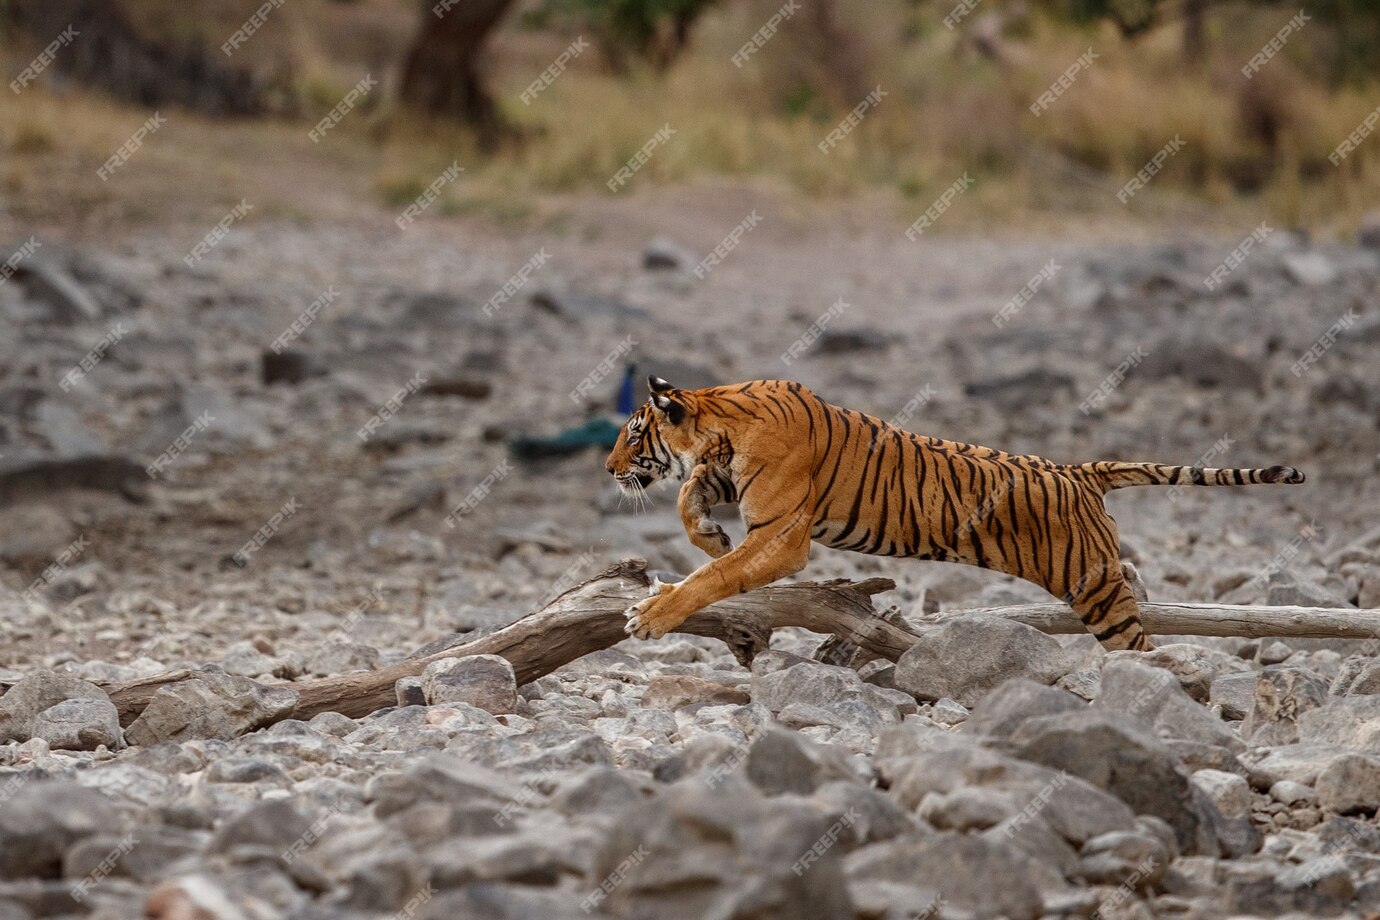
(590, 617)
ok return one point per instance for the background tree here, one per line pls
(442, 73)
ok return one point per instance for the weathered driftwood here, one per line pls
(590, 617)
(1211, 620)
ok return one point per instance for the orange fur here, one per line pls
(802, 469)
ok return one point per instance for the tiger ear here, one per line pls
(657, 385)
(673, 409)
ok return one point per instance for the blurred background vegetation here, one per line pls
(450, 85)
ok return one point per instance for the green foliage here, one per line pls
(1130, 16)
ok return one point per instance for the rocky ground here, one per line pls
(993, 771)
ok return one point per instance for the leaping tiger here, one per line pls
(802, 469)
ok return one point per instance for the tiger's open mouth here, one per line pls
(631, 480)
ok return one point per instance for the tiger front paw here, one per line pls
(647, 619)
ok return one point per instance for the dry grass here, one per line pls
(1252, 149)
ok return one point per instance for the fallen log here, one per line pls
(590, 617)
(1208, 620)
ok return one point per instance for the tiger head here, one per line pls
(658, 440)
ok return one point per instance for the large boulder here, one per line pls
(1133, 765)
(1155, 698)
(211, 705)
(967, 657)
(966, 786)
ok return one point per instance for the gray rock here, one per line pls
(967, 657)
(1272, 890)
(1351, 722)
(804, 681)
(29, 477)
(962, 867)
(1310, 269)
(290, 366)
(534, 856)
(1286, 589)
(1357, 677)
(1350, 784)
(34, 534)
(1085, 683)
(1300, 763)
(599, 791)
(211, 705)
(1007, 708)
(1155, 698)
(152, 850)
(1201, 362)
(851, 341)
(67, 300)
(273, 827)
(370, 867)
(246, 770)
(1126, 761)
(494, 901)
(1074, 808)
(342, 658)
(1234, 693)
(1011, 391)
(672, 691)
(441, 778)
(663, 254)
(1193, 666)
(245, 660)
(1282, 694)
(872, 816)
(782, 761)
(1289, 792)
(409, 691)
(1228, 792)
(969, 808)
(579, 305)
(1132, 858)
(42, 819)
(697, 851)
(37, 692)
(80, 725)
(537, 751)
(485, 681)
(333, 724)
(949, 712)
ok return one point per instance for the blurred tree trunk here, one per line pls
(441, 74)
(1195, 39)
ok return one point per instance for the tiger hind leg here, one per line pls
(1109, 610)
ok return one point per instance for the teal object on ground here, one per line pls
(597, 432)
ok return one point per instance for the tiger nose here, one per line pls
(609, 467)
